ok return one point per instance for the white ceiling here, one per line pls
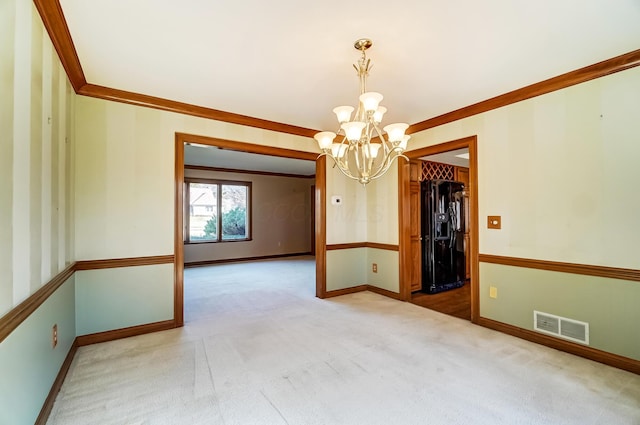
(210, 156)
(290, 61)
(450, 158)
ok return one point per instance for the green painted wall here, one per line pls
(610, 306)
(124, 200)
(346, 268)
(36, 208)
(117, 298)
(29, 364)
(562, 171)
(388, 276)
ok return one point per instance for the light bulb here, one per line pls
(395, 132)
(343, 113)
(338, 149)
(353, 130)
(370, 100)
(373, 149)
(325, 138)
(403, 143)
(379, 113)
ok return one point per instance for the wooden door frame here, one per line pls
(180, 140)
(312, 219)
(470, 143)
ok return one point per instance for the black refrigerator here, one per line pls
(442, 231)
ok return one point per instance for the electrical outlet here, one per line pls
(54, 336)
(374, 266)
(493, 292)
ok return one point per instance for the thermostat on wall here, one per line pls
(336, 200)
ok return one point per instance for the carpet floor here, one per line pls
(258, 348)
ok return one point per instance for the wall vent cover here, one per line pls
(562, 327)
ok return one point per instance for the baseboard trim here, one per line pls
(57, 384)
(610, 359)
(345, 291)
(98, 337)
(353, 245)
(385, 292)
(237, 260)
(362, 288)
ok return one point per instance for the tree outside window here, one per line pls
(215, 205)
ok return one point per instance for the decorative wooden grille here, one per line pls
(436, 171)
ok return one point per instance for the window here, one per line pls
(217, 210)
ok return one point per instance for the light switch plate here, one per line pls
(494, 222)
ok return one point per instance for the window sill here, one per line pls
(208, 242)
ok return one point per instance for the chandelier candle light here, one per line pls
(357, 155)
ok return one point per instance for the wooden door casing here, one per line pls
(414, 226)
(462, 175)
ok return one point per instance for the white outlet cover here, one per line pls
(336, 200)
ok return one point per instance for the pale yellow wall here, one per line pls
(125, 203)
(125, 174)
(281, 218)
(367, 214)
(36, 139)
(36, 208)
(346, 222)
(382, 208)
(562, 170)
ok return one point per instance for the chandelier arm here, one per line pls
(387, 161)
(383, 169)
(367, 151)
(380, 174)
(355, 154)
(342, 170)
(385, 143)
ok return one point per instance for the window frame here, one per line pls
(218, 210)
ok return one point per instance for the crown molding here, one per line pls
(591, 72)
(56, 25)
(138, 99)
(53, 19)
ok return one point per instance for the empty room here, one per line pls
(249, 212)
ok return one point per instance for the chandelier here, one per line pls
(363, 153)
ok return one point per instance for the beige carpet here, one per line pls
(258, 348)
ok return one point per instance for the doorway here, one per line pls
(180, 140)
(464, 301)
